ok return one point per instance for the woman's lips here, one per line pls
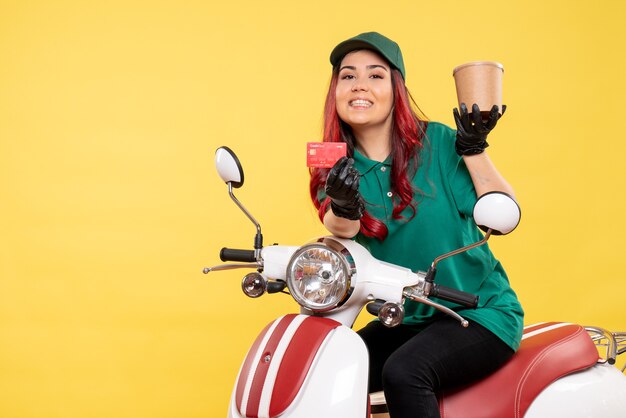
(360, 103)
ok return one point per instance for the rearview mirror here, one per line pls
(497, 211)
(229, 167)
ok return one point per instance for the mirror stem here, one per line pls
(432, 271)
(258, 240)
(461, 250)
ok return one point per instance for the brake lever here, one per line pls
(221, 267)
(413, 295)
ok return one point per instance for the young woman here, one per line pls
(406, 192)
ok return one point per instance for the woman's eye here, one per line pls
(347, 77)
(377, 76)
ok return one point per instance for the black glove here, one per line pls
(471, 131)
(342, 187)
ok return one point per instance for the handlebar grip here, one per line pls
(452, 295)
(231, 254)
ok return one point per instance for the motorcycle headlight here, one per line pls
(318, 277)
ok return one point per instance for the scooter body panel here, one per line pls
(596, 392)
(334, 383)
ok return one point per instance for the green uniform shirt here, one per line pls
(445, 199)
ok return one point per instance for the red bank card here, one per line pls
(324, 154)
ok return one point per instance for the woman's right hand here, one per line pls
(342, 187)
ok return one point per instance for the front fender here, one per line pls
(303, 367)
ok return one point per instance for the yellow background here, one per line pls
(110, 113)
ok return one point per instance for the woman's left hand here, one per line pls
(471, 134)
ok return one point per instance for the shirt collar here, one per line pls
(364, 164)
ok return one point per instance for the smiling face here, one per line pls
(364, 92)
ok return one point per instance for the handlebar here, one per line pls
(453, 295)
(232, 254)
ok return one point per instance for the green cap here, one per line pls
(373, 41)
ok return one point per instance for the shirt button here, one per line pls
(383, 169)
(389, 194)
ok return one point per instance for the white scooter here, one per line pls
(313, 365)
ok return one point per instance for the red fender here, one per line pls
(279, 361)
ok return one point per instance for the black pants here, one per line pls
(411, 364)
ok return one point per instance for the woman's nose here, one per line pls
(359, 85)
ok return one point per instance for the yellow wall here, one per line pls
(110, 113)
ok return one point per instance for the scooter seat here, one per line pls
(548, 351)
